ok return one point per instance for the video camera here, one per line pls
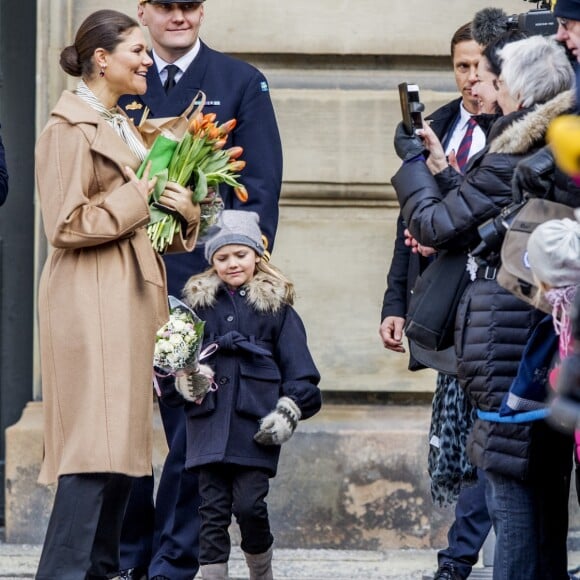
(540, 20)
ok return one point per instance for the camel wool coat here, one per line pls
(102, 297)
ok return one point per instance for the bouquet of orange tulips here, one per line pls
(199, 160)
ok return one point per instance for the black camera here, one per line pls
(493, 231)
(538, 21)
(411, 107)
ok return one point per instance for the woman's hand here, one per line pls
(416, 247)
(144, 185)
(179, 199)
(436, 162)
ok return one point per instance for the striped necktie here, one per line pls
(465, 145)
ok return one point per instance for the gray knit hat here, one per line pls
(554, 252)
(236, 227)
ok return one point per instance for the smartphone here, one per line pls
(411, 107)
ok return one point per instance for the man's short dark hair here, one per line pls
(462, 34)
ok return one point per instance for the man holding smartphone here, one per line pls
(452, 123)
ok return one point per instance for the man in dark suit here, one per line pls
(472, 522)
(3, 174)
(163, 542)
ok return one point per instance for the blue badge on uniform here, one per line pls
(264, 86)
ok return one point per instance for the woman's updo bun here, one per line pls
(69, 61)
(102, 29)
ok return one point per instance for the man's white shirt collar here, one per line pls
(182, 63)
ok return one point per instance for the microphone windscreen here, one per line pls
(488, 24)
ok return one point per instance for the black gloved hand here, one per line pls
(534, 175)
(407, 146)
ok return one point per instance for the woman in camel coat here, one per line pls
(102, 298)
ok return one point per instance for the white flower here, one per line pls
(178, 342)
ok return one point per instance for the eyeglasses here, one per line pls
(563, 22)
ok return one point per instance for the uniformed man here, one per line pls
(163, 543)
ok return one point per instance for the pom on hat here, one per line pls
(236, 227)
(567, 9)
(554, 252)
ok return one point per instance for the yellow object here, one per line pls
(564, 138)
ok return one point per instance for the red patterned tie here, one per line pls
(465, 145)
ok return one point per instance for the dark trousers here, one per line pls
(227, 489)
(83, 535)
(469, 530)
(530, 517)
(165, 539)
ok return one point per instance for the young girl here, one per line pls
(266, 382)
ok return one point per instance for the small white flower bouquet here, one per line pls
(177, 352)
(178, 341)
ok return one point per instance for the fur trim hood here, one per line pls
(264, 292)
(529, 131)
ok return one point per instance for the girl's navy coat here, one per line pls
(262, 356)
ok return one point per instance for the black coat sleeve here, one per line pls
(446, 214)
(395, 298)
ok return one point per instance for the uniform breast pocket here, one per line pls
(259, 389)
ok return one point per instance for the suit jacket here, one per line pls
(3, 174)
(234, 89)
(406, 266)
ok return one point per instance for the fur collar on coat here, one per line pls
(529, 130)
(264, 292)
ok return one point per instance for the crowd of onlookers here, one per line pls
(504, 456)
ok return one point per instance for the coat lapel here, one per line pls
(106, 142)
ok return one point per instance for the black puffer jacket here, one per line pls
(492, 325)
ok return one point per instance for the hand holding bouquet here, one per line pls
(178, 341)
(177, 352)
(199, 158)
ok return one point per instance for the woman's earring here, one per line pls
(102, 73)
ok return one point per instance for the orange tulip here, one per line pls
(219, 144)
(195, 123)
(237, 165)
(228, 126)
(241, 193)
(209, 118)
(213, 132)
(235, 152)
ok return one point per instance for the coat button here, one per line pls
(230, 318)
(224, 380)
(242, 292)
